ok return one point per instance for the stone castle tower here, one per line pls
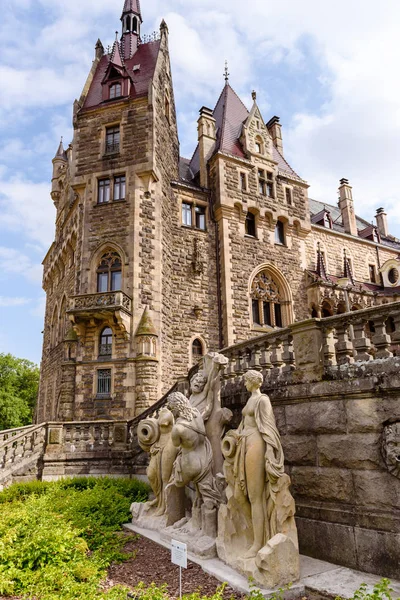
(158, 259)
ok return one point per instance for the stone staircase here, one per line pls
(21, 453)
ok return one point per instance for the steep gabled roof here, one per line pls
(230, 114)
(132, 6)
(145, 58)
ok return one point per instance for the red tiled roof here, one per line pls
(230, 113)
(145, 56)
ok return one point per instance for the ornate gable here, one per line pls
(255, 137)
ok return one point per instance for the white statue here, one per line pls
(257, 530)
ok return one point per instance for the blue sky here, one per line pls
(329, 70)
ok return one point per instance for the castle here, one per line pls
(158, 259)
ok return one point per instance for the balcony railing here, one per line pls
(101, 301)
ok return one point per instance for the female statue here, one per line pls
(258, 488)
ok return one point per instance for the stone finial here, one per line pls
(164, 28)
(99, 50)
(254, 95)
(146, 326)
(226, 73)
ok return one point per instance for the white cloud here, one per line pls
(12, 302)
(26, 208)
(40, 307)
(14, 262)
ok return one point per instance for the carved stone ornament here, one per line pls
(265, 288)
(391, 448)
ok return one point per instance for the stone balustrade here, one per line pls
(94, 302)
(87, 436)
(310, 350)
(20, 445)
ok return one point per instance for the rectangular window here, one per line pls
(104, 382)
(243, 182)
(116, 280)
(278, 315)
(103, 191)
(261, 183)
(200, 213)
(288, 193)
(112, 139)
(267, 313)
(270, 190)
(102, 282)
(256, 312)
(186, 214)
(119, 187)
(372, 273)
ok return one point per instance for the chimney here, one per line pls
(275, 129)
(207, 138)
(346, 206)
(381, 221)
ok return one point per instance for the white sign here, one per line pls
(179, 554)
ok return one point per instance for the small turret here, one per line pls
(131, 22)
(60, 162)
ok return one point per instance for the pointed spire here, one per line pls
(61, 154)
(146, 326)
(348, 273)
(131, 21)
(99, 49)
(116, 56)
(321, 269)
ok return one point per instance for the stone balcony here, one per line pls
(101, 307)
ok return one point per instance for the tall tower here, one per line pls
(102, 274)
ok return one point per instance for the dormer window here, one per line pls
(115, 91)
(323, 218)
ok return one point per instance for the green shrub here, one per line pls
(381, 591)
(57, 539)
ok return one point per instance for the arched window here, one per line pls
(105, 345)
(62, 321)
(266, 299)
(326, 310)
(135, 25)
(197, 351)
(115, 91)
(109, 273)
(127, 23)
(280, 233)
(54, 329)
(250, 225)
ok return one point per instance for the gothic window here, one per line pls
(200, 212)
(197, 351)
(266, 299)
(62, 321)
(135, 28)
(112, 139)
(103, 383)
(127, 23)
(54, 329)
(289, 198)
(109, 273)
(280, 233)
(119, 187)
(186, 214)
(250, 224)
(103, 194)
(115, 91)
(105, 346)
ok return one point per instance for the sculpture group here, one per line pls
(221, 491)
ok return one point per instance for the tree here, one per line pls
(19, 384)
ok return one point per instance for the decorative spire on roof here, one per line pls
(321, 268)
(131, 21)
(226, 73)
(61, 154)
(348, 272)
(116, 56)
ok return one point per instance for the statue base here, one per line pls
(145, 515)
(188, 533)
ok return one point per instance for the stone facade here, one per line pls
(217, 250)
